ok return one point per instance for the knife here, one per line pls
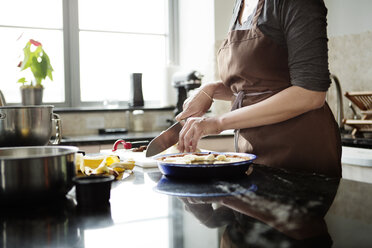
(164, 140)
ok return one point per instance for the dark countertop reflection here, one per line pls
(267, 208)
(270, 208)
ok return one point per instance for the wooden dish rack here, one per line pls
(363, 100)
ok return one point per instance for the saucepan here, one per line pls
(28, 125)
(36, 172)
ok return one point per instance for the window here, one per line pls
(93, 46)
(17, 26)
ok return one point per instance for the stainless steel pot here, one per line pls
(28, 125)
(36, 172)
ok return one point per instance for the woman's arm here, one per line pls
(198, 104)
(218, 91)
(284, 105)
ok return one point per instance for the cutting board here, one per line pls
(139, 157)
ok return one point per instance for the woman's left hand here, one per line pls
(194, 129)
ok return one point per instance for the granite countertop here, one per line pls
(267, 208)
(107, 138)
(356, 141)
(346, 138)
(130, 136)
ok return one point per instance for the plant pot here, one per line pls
(32, 95)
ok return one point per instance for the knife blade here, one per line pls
(164, 140)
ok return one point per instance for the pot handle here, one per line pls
(58, 137)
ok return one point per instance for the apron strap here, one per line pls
(235, 14)
(257, 14)
(236, 105)
(238, 100)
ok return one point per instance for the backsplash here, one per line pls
(350, 59)
(88, 123)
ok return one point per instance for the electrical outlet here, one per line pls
(95, 122)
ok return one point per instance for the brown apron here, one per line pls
(255, 68)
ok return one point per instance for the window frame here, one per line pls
(72, 59)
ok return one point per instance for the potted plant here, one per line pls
(38, 61)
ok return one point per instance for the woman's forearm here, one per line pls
(287, 104)
(218, 91)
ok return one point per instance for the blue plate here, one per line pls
(202, 171)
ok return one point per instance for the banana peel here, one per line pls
(122, 166)
(109, 164)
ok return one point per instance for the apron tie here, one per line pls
(238, 104)
(238, 100)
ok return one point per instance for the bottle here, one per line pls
(136, 97)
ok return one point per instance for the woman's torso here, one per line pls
(255, 67)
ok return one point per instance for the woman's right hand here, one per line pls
(196, 105)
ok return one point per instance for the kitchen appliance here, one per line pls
(164, 140)
(34, 173)
(184, 82)
(28, 125)
(136, 96)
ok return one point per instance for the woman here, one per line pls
(274, 68)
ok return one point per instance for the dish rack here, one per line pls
(363, 100)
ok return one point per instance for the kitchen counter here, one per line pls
(352, 141)
(107, 138)
(267, 208)
(130, 136)
(346, 138)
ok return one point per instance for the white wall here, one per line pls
(349, 16)
(350, 47)
(196, 34)
(202, 24)
(222, 15)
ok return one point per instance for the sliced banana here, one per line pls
(202, 159)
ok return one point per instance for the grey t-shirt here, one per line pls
(301, 26)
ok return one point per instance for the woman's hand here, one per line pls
(195, 106)
(194, 129)
(198, 104)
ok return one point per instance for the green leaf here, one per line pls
(39, 63)
(50, 75)
(27, 57)
(22, 80)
